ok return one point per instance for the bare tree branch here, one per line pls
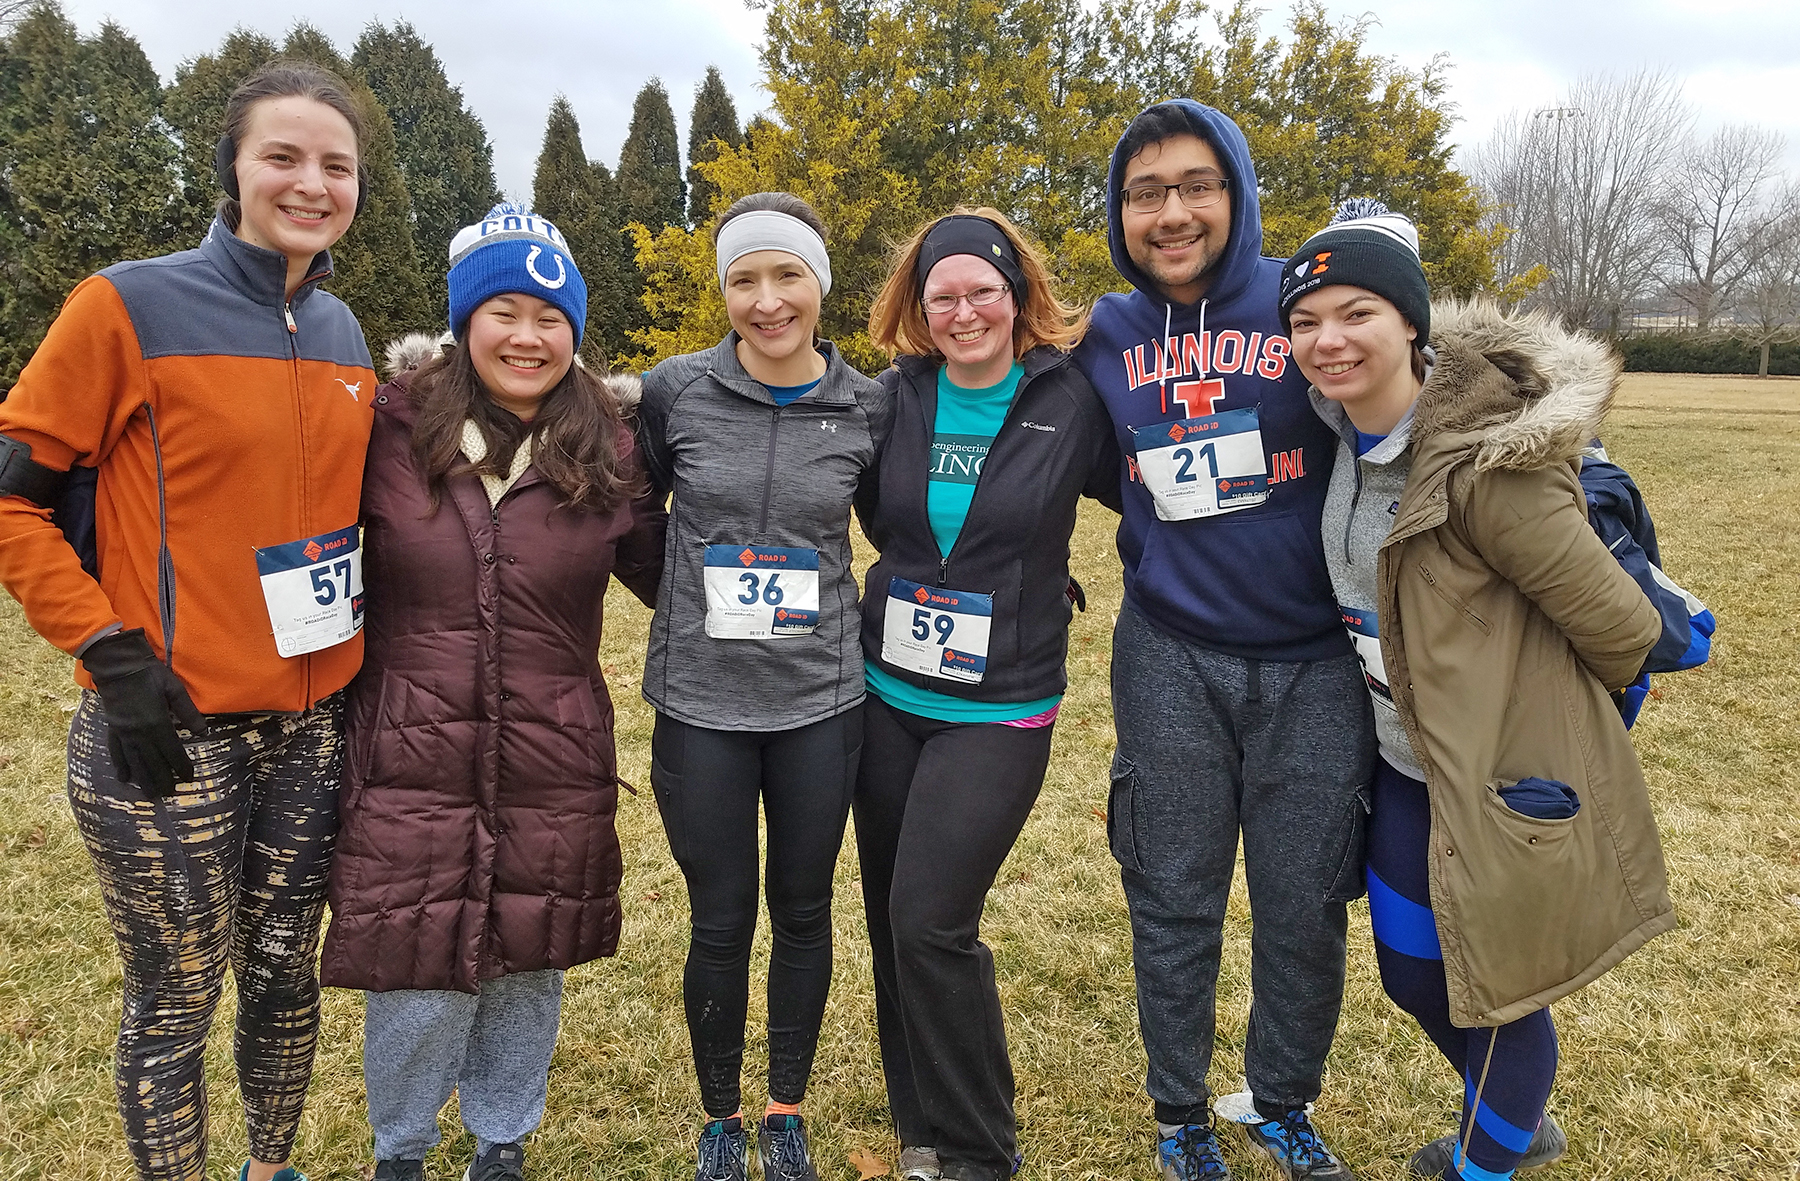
(1578, 185)
(1712, 214)
(1768, 305)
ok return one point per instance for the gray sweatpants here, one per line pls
(1210, 744)
(493, 1050)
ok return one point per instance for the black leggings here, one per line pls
(938, 807)
(232, 868)
(707, 785)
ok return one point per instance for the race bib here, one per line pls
(314, 590)
(1365, 637)
(761, 592)
(937, 631)
(1201, 467)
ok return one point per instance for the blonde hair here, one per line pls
(897, 321)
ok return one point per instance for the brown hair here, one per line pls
(579, 431)
(897, 319)
(287, 79)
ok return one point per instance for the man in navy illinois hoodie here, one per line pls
(1238, 703)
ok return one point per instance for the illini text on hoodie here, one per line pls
(1233, 560)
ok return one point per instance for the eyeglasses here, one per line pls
(981, 297)
(1195, 194)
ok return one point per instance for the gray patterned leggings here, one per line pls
(232, 868)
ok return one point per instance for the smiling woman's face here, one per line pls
(296, 172)
(772, 299)
(521, 347)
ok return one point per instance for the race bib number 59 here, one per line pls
(1201, 467)
(761, 592)
(937, 631)
(314, 590)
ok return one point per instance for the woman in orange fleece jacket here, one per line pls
(203, 417)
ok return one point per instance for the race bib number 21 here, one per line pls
(1201, 467)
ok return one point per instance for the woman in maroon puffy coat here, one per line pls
(477, 857)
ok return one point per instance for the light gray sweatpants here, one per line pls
(493, 1050)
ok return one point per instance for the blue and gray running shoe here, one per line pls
(1191, 1154)
(781, 1145)
(724, 1151)
(1296, 1148)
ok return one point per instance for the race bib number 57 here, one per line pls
(1201, 467)
(314, 590)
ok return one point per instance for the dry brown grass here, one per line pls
(1682, 1063)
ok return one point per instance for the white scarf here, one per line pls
(475, 448)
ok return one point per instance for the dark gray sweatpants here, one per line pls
(1210, 745)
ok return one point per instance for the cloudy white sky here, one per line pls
(1737, 60)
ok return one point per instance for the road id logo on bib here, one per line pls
(937, 631)
(314, 590)
(1201, 467)
(761, 592)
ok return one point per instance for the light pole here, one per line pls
(1556, 256)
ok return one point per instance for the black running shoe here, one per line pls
(502, 1162)
(781, 1146)
(724, 1151)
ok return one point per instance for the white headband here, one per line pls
(765, 229)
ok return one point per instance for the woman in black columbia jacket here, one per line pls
(996, 437)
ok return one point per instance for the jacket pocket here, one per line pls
(1347, 883)
(1453, 599)
(1525, 833)
(1121, 814)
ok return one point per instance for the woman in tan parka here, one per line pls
(1513, 856)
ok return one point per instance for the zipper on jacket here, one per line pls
(769, 472)
(287, 309)
(1355, 499)
(1007, 420)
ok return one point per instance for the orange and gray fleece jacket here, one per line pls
(263, 407)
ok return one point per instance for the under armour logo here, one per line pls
(562, 276)
(355, 390)
(828, 426)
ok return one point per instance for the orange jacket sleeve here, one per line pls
(70, 406)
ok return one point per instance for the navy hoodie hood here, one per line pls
(1250, 582)
(1243, 251)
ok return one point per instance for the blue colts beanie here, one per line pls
(513, 251)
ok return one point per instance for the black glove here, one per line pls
(143, 701)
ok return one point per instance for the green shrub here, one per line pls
(1695, 352)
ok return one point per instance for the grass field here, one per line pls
(1685, 1062)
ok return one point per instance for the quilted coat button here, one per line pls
(488, 558)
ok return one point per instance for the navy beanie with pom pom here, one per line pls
(1366, 245)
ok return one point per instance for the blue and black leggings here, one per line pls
(1514, 1065)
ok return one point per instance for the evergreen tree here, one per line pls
(86, 169)
(714, 118)
(651, 191)
(444, 153)
(580, 198)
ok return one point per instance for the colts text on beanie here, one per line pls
(513, 251)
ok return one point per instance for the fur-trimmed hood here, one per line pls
(415, 348)
(1533, 391)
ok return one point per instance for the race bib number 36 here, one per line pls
(1200, 467)
(937, 631)
(761, 592)
(314, 590)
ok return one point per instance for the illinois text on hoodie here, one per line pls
(1231, 559)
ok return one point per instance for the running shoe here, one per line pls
(1191, 1154)
(399, 1170)
(919, 1164)
(1548, 1144)
(288, 1174)
(781, 1146)
(1296, 1148)
(724, 1151)
(502, 1162)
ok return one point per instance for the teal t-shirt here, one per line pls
(967, 421)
